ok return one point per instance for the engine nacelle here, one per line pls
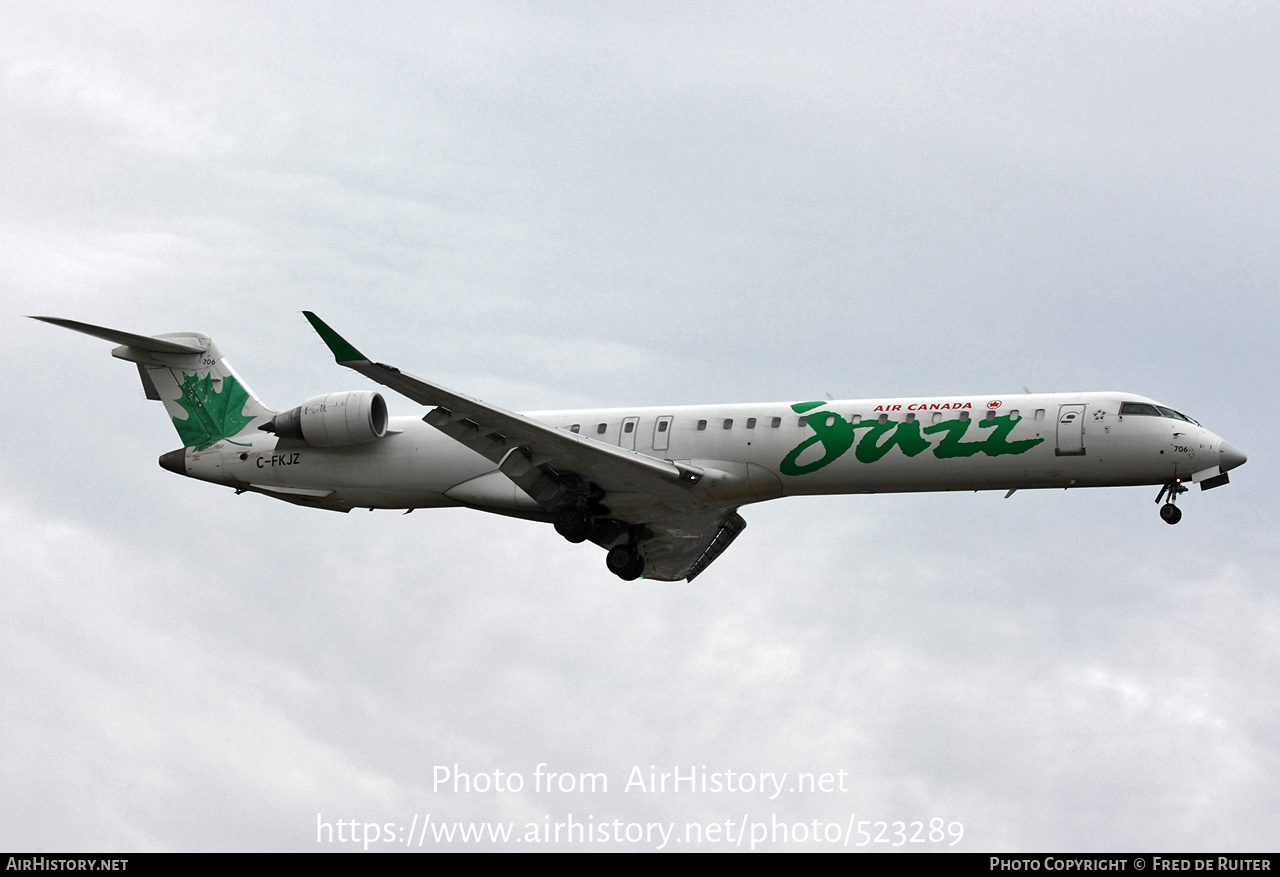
(335, 420)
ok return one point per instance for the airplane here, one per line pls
(658, 488)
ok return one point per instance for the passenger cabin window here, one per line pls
(803, 421)
(628, 426)
(702, 424)
(1139, 408)
(831, 420)
(937, 417)
(577, 427)
(728, 423)
(1039, 414)
(990, 415)
(662, 426)
(883, 418)
(600, 428)
(964, 415)
(776, 422)
(911, 418)
(855, 419)
(751, 423)
(1014, 415)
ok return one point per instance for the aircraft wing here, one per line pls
(686, 535)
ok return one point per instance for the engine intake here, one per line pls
(334, 421)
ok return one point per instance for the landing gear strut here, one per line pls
(1170, 513)
(624, 562)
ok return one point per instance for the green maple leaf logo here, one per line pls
(211, 415)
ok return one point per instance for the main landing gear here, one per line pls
(1170, 513)
(624, 562)
(571, 523)
(575, 525)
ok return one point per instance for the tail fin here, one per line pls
(205, 398)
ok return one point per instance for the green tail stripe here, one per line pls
(339, 346)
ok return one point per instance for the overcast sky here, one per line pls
(553, 205)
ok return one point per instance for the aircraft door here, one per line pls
(627, 435)
(662, 433)
(1070, 430)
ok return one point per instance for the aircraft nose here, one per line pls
(1230, 457)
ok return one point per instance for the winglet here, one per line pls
(342, 350)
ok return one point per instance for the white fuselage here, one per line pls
(754, 452)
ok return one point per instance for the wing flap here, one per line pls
(729, 530)
(680, 548)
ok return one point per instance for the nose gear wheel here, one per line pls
(1170, 513)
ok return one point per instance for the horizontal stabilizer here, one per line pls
(141, 342)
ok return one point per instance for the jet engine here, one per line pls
(334, 421)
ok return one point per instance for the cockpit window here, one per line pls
(1154, 411)
(1176, 415)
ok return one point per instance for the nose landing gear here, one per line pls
(1170, 513)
